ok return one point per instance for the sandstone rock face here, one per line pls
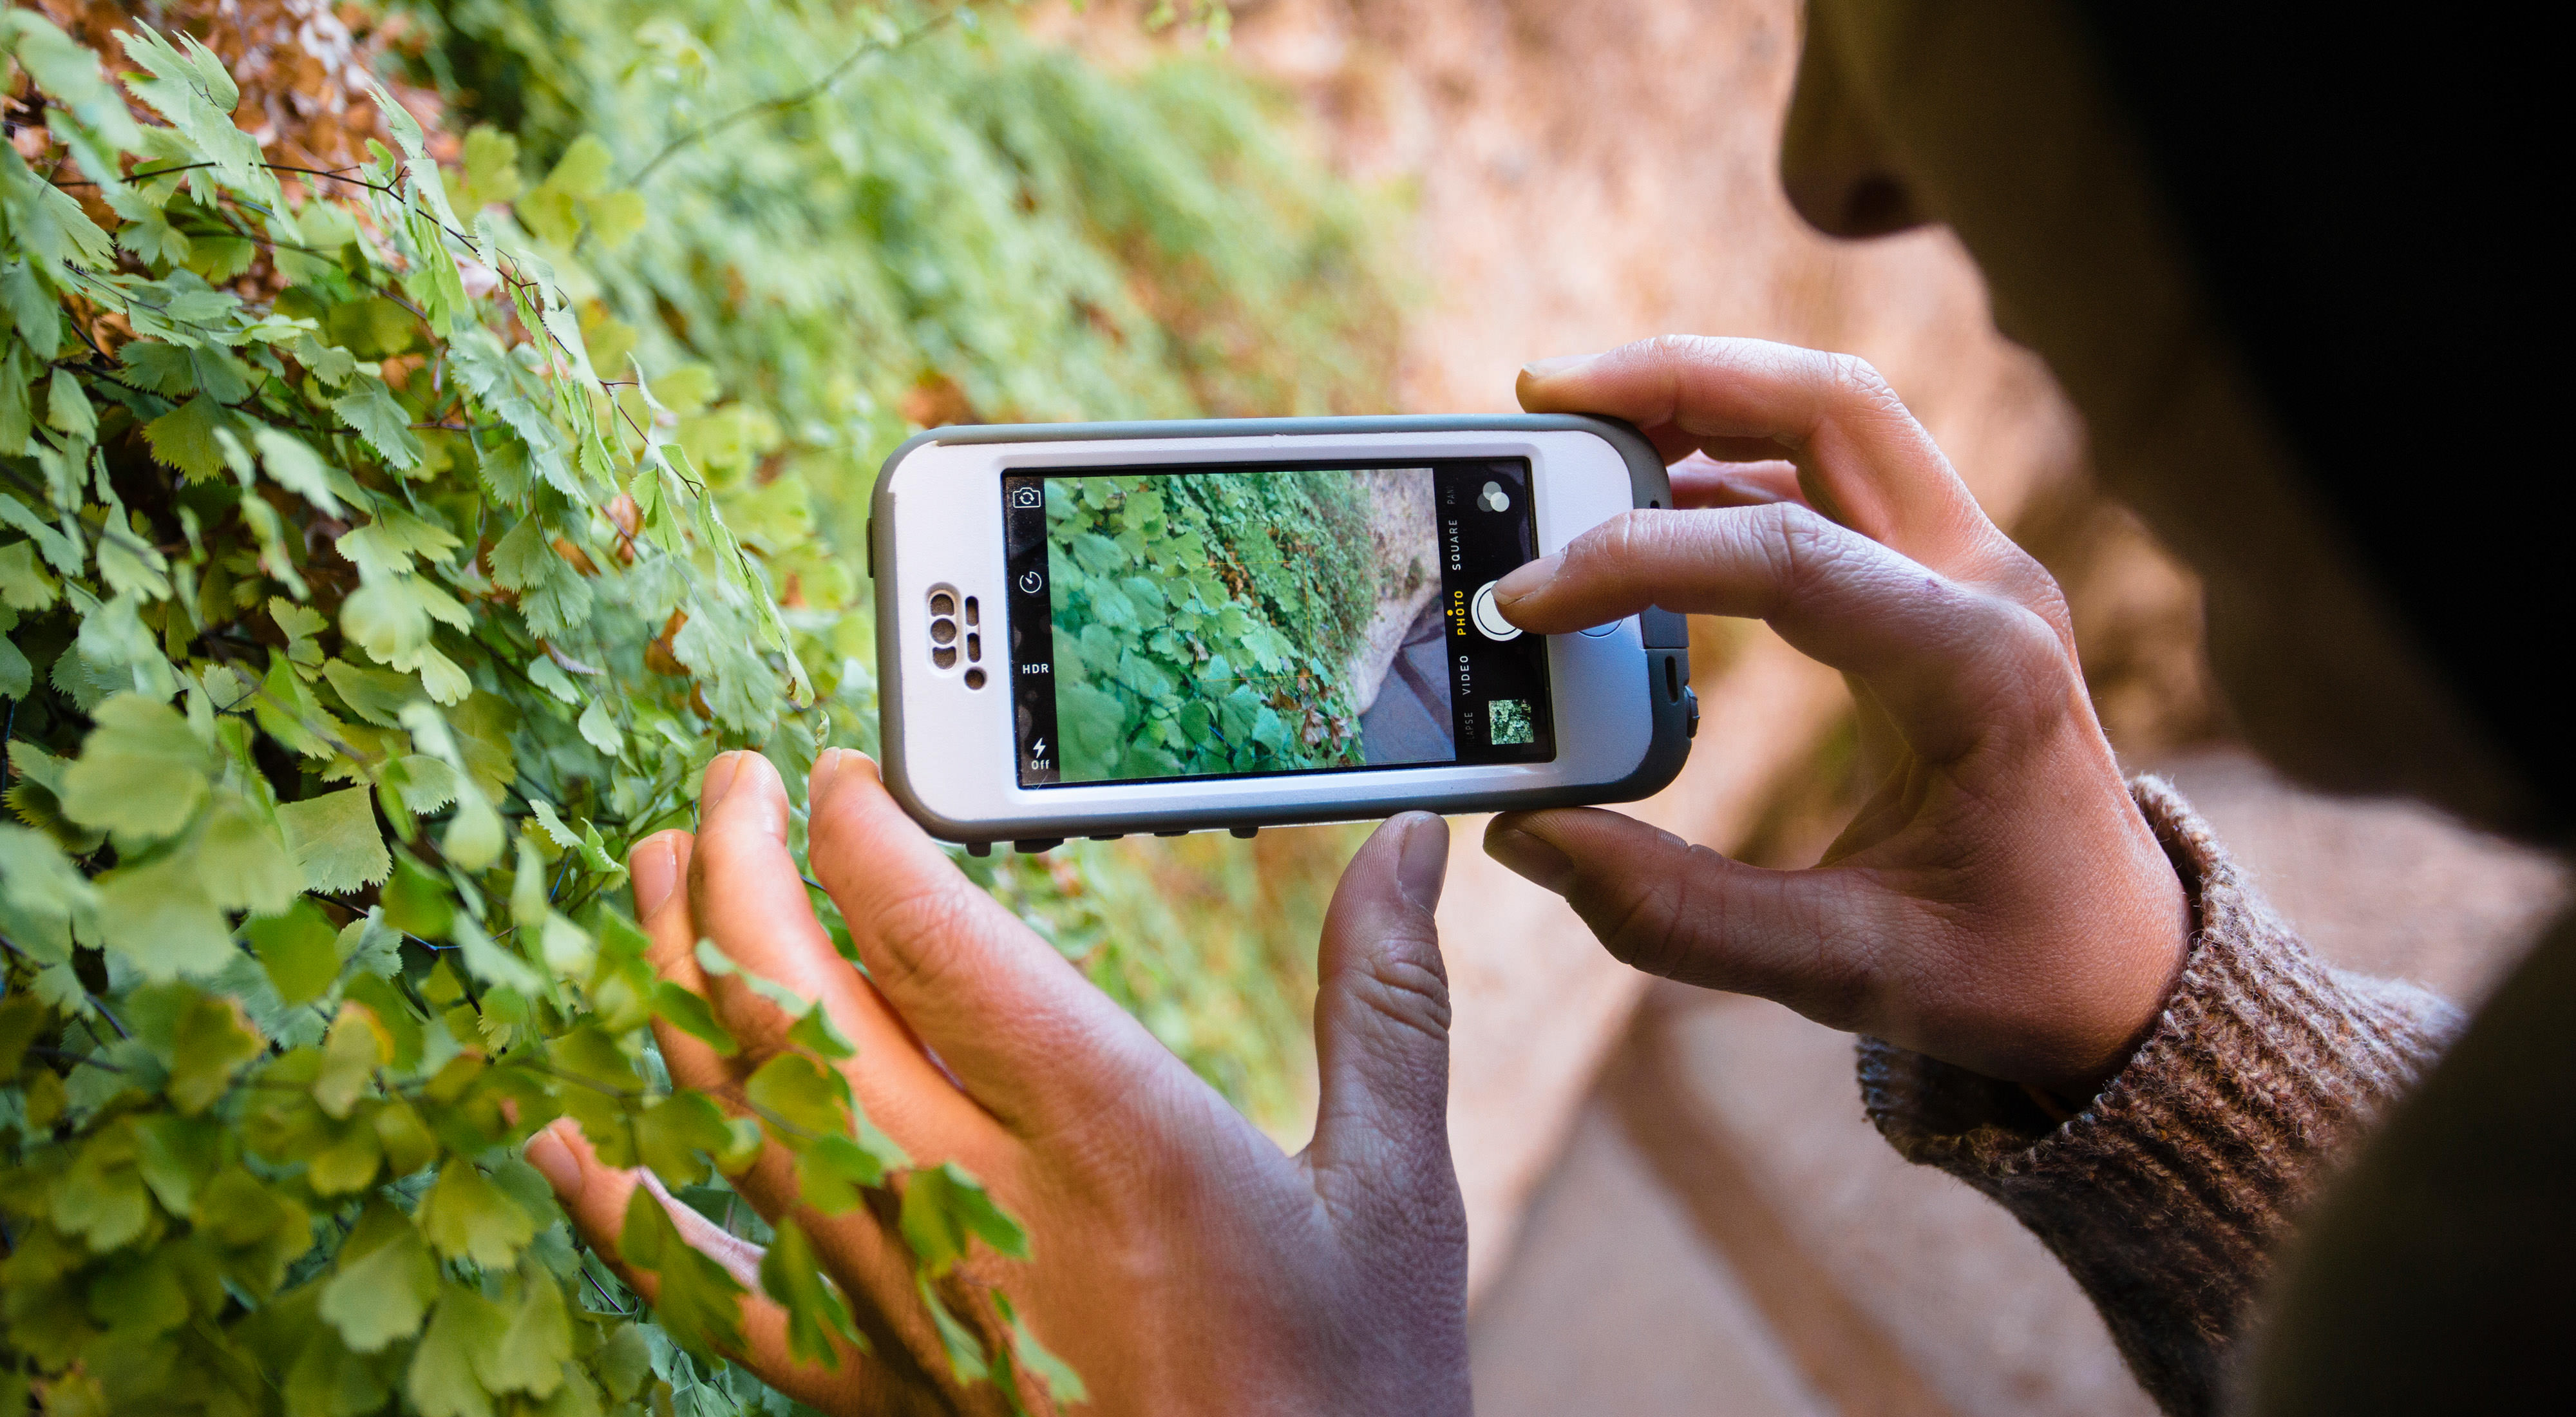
(1404, 525)
(1583, 175)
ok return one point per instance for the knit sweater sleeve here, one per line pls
(2168, 1194)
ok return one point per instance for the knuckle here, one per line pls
(2033, 672)
(1405, 985)
(1856, 382)
(1642, 926)
(1622, 540)
(1801, 528)
(1677, 349)
(2027, 637)
(915, 933)
(2033, 586)
(1611, 554)
(1804, 547)
(2014, 572)
(1839, 982)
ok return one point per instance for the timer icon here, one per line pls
(1031, 582)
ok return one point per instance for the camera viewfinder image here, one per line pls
(1246, 622)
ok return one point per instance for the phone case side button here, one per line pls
(1664, 629)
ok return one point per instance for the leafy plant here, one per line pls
(1206, 624)
(918, 218)
(390, 544)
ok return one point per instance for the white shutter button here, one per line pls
(1489, 617)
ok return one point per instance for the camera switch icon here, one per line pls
(1031, 582)
(1026, 497)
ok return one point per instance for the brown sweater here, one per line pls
(2169, 1194)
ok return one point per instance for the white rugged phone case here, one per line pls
(1623, 710)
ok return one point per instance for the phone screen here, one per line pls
(1239, 621)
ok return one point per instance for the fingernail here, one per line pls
(721, 775)
(547, 1152)
(1528, 578)
(1530, 858)
(1424, 862)
(655, 868)
(1558, 364)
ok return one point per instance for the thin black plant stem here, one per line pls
(802, 96)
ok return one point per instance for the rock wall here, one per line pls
(1575, 176)
(1404, 525)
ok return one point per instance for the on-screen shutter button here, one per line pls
(1489, 617)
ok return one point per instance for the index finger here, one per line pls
(1950, 662)
(1023, 1031)
(747, 898)
(1862, 458)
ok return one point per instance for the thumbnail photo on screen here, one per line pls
(1246, 622)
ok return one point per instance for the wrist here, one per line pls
(2135, 987)
(2156, 927)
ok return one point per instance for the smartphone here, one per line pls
(1096, 629)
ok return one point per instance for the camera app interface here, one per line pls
(1235, 621)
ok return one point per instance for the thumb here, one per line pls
(1382, 1023)
(1684, 912)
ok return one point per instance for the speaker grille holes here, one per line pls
(946, 608)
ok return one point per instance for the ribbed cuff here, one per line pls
(2166, 1196)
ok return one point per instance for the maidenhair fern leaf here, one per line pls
(335, 840)
(141, 772)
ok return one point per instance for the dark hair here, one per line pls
(2364, 203)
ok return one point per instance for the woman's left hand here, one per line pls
(1178, 1259)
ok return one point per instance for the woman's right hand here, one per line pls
(2000, 903)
